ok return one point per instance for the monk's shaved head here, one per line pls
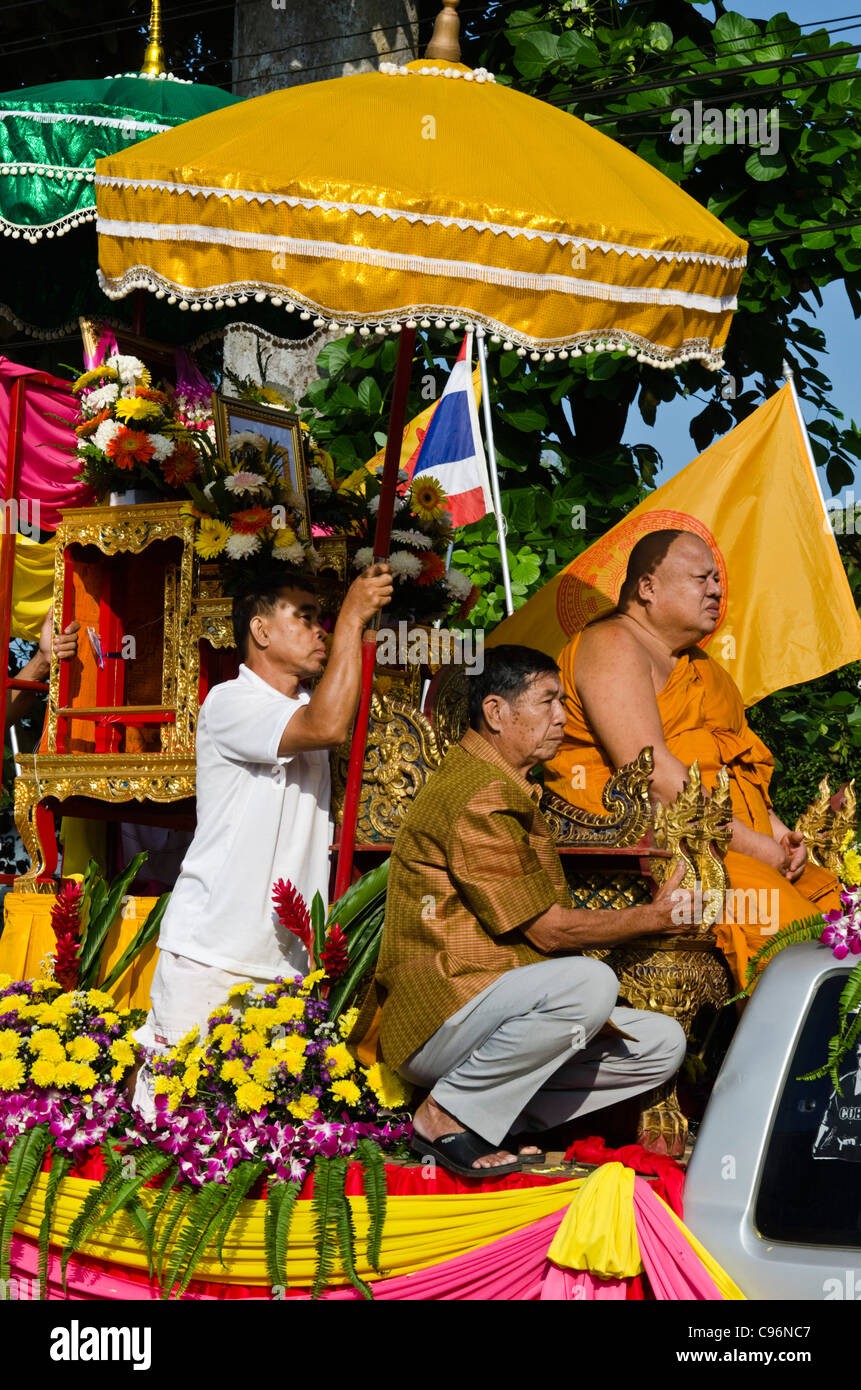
(644, 559)
(672, 586)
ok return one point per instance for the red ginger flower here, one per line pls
(66, 924)
(292, 912)
(334, 957)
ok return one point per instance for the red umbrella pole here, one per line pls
(382, 540)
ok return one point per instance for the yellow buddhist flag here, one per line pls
(414, 433)
(32, 586)
(787, 613)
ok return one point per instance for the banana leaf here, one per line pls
(100, 924)
(360, 897)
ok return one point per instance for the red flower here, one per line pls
(334, 957)
(148, 393)
(90, 426)
(183, 464)
(129, 447)
(292, 912)
(251, 520)
(433, 568)
(66, 924)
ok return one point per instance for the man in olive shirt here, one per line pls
(482, 997)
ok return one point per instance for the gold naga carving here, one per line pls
(825, 830)
(696, 828)
(628, 810)
(401, 753)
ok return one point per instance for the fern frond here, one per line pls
(195, 1236)
(23, 1167)
(807, 929)
(274, 1201)
(327, 1172)
(61, 1164)
(283, 1218)
(170, 1223)
(850, 999)
(347, 1240)
(242, 1179)
(374, 1185)
(155, 1214)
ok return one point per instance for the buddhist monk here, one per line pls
(637, 677)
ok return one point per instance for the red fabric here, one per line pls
(670, 1175)
(48, 461)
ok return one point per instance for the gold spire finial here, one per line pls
(445, 40)
(154, 57)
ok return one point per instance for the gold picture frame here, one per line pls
(280, 427)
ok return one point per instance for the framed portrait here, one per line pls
(159, 357)
(280, 427)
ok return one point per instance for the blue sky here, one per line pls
(670, 433)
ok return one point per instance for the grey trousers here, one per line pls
(523, 1054)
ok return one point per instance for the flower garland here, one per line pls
(131, 434)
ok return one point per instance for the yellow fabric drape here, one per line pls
(27, 939)
(419, 1231)
(598, 1231)
(32, 586)
(728, 1289)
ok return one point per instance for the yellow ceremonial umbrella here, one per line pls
(372, 200)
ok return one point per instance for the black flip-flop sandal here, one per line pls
(536, 1160)
(457, 1153)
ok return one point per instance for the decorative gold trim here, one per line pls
(629, 810)
(697, 828)
(401, 753)
(224, 408)
(114, 530)
(825, 829)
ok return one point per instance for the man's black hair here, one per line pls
(508, 671)
(263, 597)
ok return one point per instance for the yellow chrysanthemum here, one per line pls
(253, 1042)
(91, 377)
(12, 1073)
(311, 980)
(5, 981)
(42, 1072)
(67, 1074)
(46, 1042)
(304, 1107)
(118, 1072)
(252, 1096)
(239, 992)
(110, 1018)
(13, 1001)
(263, 1066)
(136, 408)
(347, 1091)
(122, 1053)
(852, 868)
(289, 1008)
(10, 1042)
(212, 537)
(42, 986)
(64, 1004)
(85, 1077)
(224, 1035)
(233, 1070)
(83, 1049)
(340, 1060)
(427, 498)
(387, 1086)
(346, 1022)
(223, 1011)
(284, 536)
(190, 1078)
(49, 1015)
(261, 1017)
(162, 1085)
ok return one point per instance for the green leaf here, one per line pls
(361, 896)
(328, 1196)
(530, 419)
(61, 1164)
(577, 50)
(100, 925)
(765, 167)
(242, 1179)
(147, 932)
(370, 396)
(318, 923)
(658, 37)
(22, 1170)
(374, 1183)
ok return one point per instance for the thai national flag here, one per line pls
(452, 450)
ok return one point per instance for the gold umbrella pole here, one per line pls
(445, 40)
(154, 57)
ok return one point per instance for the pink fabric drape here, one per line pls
(674, 1269)
(48, 461)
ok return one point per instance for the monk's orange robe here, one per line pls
(703, 717)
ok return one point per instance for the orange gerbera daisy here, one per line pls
(182, 465)
(149, 393)
(251, 520)
(88, 427)
(129, 447)
(433, 568)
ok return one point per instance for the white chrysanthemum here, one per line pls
(294, 554)
(318, 481)
(243, 437)
(458, 584)
(363, 557)
(241, 546)
(245, 482)
(404, 565)
(128, 368)
(163, 446)
(102, 396)
(416, 538)
(105, 433)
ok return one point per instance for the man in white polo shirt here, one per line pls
(262, 803)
